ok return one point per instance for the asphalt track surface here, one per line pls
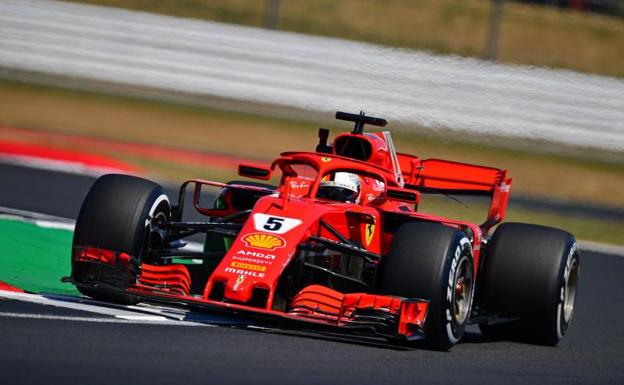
(62, 346)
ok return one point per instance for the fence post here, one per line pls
(271, 13)
(491, 51)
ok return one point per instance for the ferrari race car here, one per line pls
(339, 244)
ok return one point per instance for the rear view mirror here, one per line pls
(254, 171)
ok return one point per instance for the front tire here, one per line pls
(530, 273)
(115, 216)
(433, 262)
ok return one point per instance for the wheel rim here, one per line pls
(569, 293)
(159, 212)
(463, 291)
(159, 217)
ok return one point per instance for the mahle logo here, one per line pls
(264, 241)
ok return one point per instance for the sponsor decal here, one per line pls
(254, 257)
(326, 159)
(239, 280)
(274, 224)
(370, 231)
(248, 266)
(252, 260)
(256, 254)
(246, 273)
(464, 244)
(565, 317)
(298, 185)
(378, 185)
(264, 241)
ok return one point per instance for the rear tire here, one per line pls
(530, 273)
(115, 215)
(433, 262)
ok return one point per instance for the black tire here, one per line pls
(115, 215)
(425, 261)
(531, 273)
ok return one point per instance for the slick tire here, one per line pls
(433, 262)
(116, 215)
(530, 273)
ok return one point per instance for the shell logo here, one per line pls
(264, 241)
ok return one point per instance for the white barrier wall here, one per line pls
(311, 73)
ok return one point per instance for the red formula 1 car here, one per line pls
(338, 244)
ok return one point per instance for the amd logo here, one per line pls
(255, 254)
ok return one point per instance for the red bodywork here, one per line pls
(258, 256)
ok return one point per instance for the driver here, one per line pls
(343, 187)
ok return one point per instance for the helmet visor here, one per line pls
(337, 193)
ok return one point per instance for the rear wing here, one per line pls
(447, 177)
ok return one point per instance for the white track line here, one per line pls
(24, 214)
(77, 304)
(131, 321)
(48, 224)
(143, 313)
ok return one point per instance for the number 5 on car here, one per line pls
(274, 223)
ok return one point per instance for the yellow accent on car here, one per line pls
(264, 241)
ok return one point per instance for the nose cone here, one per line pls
(255, 261)
(262, 250)
(250, 268)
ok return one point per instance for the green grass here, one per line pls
(541, 36)
(35, 258)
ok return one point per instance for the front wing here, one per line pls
(314, 307)
(320, 307)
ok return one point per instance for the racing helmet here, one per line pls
(343, 187)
